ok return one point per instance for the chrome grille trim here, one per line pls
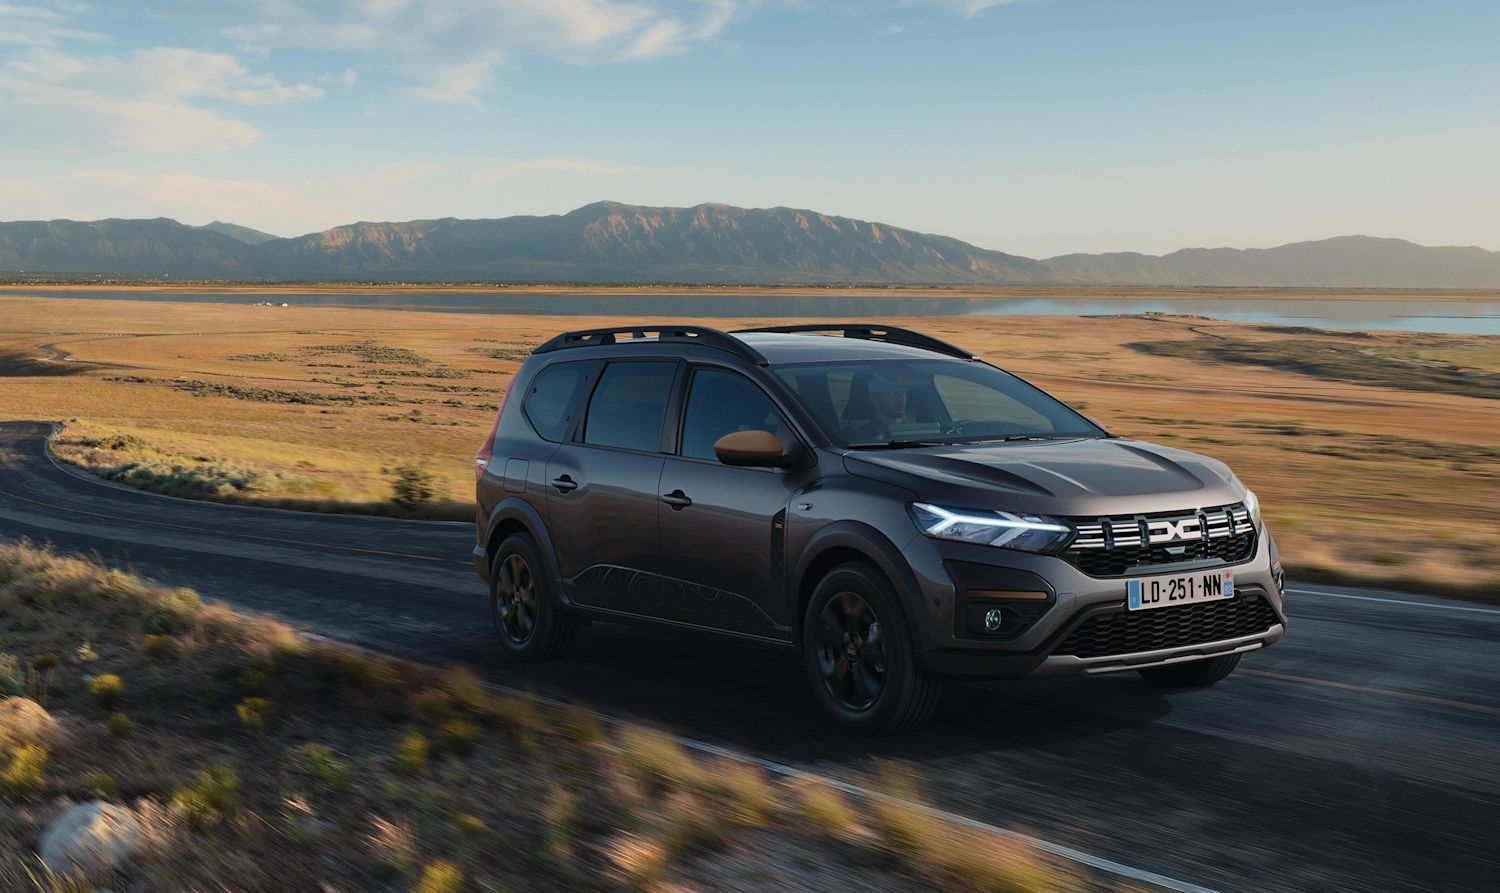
(1119, 545)
(1215, 523)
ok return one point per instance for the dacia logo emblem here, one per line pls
(1164, 531)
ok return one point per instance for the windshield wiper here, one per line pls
(897, 444)
(1012, 438)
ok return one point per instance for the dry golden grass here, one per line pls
(1341, 467)
(340, 790)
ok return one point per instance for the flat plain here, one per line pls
(1376, 455)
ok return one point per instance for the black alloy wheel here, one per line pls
(515, 599)
(859, 655)
(851, 652)
(527, 619)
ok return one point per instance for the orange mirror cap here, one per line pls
(753, 447)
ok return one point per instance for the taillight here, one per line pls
(482, 458)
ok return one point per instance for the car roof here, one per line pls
(781, 347)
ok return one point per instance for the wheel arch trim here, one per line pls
(514, 514)
(872, 545)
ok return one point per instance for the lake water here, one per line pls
(1407, 315)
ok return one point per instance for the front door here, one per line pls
(721, 528)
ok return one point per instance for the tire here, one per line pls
(1193, 674)
(858, 654)
(522, 606)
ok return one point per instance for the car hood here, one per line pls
(1058, 477)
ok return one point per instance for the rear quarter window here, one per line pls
(552, 397)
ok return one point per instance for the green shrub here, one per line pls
(42, 663)
(12, 680)
(118, 724)
(658, 759)
(107, 689)
(411, 754)
(102, 784)
(26, 771)
(213, 795)
(580, 726)
(459, 736)
(414, 486)
(440, 877)
(432, 704)
(468, 825)
(255, 682)
(824, 808)
(255, 713)
(517, 717)
(465, 688)
(158, 646)
(563, 817)
(319, 762)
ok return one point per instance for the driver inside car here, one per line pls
(888, 400)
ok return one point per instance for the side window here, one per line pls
(722, 403)
(552, 396)
(628, 406)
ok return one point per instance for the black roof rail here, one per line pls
(701, 335)
(888, 334)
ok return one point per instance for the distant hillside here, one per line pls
(1345, 261)
(612, 242)
(235, 231)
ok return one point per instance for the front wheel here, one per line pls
(858, 654)
(522, 605)
(1192, 674)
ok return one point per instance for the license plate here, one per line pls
(1178, 589)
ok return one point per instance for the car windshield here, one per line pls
(892, 403)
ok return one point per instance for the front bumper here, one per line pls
(955, 649)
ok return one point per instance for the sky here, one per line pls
(1036, 127)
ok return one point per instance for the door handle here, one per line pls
(677, 500)
(564, 484)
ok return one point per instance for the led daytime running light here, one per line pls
(951, 518)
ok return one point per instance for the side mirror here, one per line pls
(751, 449)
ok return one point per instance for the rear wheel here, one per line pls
(1193, 674)
(858, 654)
(522, 605)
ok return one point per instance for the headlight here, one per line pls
(1029, 533)
(1252, 505)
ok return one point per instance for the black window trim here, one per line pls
(576, 436)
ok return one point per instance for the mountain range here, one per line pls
(708, 243)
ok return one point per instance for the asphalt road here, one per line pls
(1361, 753)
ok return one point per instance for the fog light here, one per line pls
(993, 618)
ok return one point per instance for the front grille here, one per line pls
(1129, 632)
(1111, 547)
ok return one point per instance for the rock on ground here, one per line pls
(91, 838)
(24, 721)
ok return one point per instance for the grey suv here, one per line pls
(882, 503)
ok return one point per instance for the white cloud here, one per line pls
(450, 51)
(150, 100)
(968, 8)
(27, 25)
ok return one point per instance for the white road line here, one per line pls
(1098, 863)
(1441, 606)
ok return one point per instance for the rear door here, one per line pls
(602, 488)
